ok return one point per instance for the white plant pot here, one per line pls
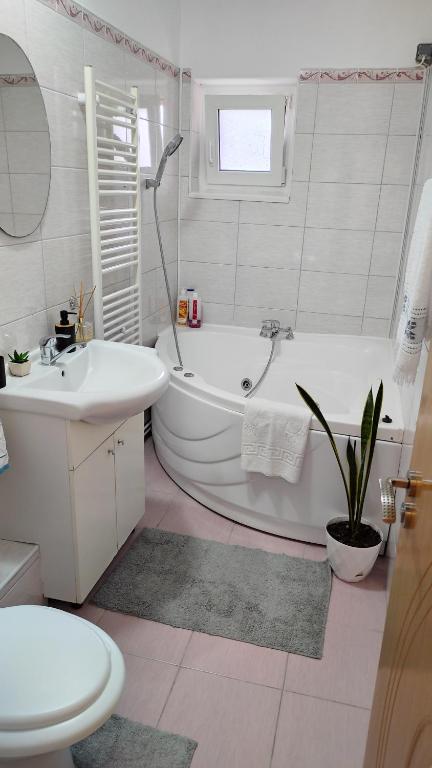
(351, 563)
(20, 369)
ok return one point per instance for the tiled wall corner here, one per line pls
(327, 260)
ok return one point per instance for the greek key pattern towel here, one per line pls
(415, 319)
(4, 458)
(274, 438)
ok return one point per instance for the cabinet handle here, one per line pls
(120, 442)
(111, 452)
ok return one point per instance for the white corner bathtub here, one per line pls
(198, 421)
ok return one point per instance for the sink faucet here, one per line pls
(49, 351)
(271, 329)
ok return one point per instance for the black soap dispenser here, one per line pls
(65, 328)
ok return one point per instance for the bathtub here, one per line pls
(198, 421)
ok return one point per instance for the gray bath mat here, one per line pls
(121, 743)
(244, 594)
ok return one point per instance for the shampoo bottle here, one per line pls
(182, 308)
(195, 311)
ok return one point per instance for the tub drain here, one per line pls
(246, 385)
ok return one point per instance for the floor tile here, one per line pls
(361, 604)
(315, 552)
(231, 658)
(89, 612)
(187, 516)
(156, 506)
(313, 733)
(249, 537)
(146, 690)
(156, 477)
(149, 639)
(347, 671)
(232, 721)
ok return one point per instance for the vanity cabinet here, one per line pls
(75, 489)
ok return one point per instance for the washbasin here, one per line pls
(101, 382)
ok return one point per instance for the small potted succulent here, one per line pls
(19, 363)
(353, 543)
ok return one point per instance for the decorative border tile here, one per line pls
(186, 73)
(111, 34)
(408, 75)
(13, 80)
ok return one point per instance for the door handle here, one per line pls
(413, 483)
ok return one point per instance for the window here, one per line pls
(244, 132)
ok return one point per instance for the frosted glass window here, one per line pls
(245, 139)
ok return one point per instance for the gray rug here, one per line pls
(121, 743)
(244, 594)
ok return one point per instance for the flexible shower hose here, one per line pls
(264, 373)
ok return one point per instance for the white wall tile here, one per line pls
(392, 208)
(302, 156)
(252, 317)
(59, 64)
(379, 299)
(22, 285)
(108, 62)
(18, 104)
(5, 194)
(375, 326)
(270, 246)
(28, 151)
(29, 192)
(215, 282)
(291, 214)
(222, 314)
(66, 263)
(332, 294)
(206, 210)
(3, 156)
(342, 206)
(14, 22)
(150, 245)
(350, 108)
(167, 93)
(306, 106)
(161, 291)
(406, 109)
(212, 241)
(24, 333)
(356, 159)
(399, 159)
(315, 322)
(66, 120)
(337, 250)
(267, 287)
(386, 253)
(68, 205)
(149, 292)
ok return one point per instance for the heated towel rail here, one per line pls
(115, 212)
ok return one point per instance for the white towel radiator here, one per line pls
(115, 208)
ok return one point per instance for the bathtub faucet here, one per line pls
(271, 329)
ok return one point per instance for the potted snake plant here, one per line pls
(353, 543)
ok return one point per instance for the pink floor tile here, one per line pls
(187, 516)
(241, 661)
(249, 537)
(89, 612)
(156, 506)
(147, 687)
(315, 552)
(156, 477)
(361, 604)
(232, 721)
(347, 671)
(140, 637)
(313, 733)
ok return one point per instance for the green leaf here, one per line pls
(372, 442)
(310, 402)
(352, 464)
(366, 427)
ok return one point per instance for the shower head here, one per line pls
(169, 150)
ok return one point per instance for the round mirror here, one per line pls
(25, 151)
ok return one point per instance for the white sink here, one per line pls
(101, 382)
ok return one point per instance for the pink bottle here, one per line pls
(195, 311)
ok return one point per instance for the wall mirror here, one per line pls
(25, 151)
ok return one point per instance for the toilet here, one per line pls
(61, 678)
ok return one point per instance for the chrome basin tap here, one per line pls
(271, 329)
(48, 348)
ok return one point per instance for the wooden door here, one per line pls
(129, 463)
(400, 730)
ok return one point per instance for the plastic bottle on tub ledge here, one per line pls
(182, 308)
(195, 310)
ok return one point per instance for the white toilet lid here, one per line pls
(53, 666)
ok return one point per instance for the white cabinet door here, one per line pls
(129, 461)
(93, 487)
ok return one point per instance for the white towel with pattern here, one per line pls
(274, 438)
(416, 316)
(4, 458)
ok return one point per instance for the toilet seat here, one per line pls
(61, 679)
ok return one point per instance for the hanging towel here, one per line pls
(4, 458)
(274, 438)
(416, 316)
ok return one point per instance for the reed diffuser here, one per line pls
(84, 329)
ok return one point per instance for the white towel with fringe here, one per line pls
(416, 316)
(4, 458)
(274, 438)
